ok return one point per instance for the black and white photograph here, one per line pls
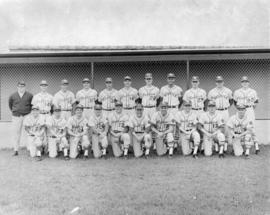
(127, 107)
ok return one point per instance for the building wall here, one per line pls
(231, 70)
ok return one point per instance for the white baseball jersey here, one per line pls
(34, 124)
(99, 123)
(64, 100)
(211, 123)
(87, 98)
(187, 121)
(245, 97)
(162, 122)
(239, 125)
(196, 96)
(44, 101)
(118, 122)
(149, 95)
(56, 125)
(171, 94)
(128, 97)
(107, 97)
(221, 96)
(139, 124)
(77, 126)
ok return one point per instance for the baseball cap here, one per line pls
(98, 107)
(43, 83)
(171, 75)
(241, 107)
(34, 107)
(212, 103)
(79, 107)
(187, 103)
(139, 107)
(118, 103)
(22, 83)
(86, 80)
(219, 79)
(164, 104)
(64, 81)
(127, 78)
(148, 75)
(195, 79)
(244, 79)
(108, 79)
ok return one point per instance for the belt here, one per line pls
(249, 106)
(117, 131)
(129, 108)
(87, 107)
(108, 109)
(196, 108)
(52, 137)
(44, 112)
(237, 133)
(66, 110)
(139, 132)
(222, 109)
(189, 130)
(149, 106)
(172, 106)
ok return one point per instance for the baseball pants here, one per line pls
(137, 144)
(66, 114)
(55, 143)
(186, 142)
(120, 143)
(208, 142)
(74, 143)
(149, 112)
(162, 143)
(129, 112)
(88, 112)
(34, 144)
(107, 113)
(98, 143)
(239, 142)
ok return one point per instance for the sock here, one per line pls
(103, 151)
(146, 151)
(170, 150)
(221, 150)
(247, 151)
(125, 152)
(38, 153)
(195, 150)
(256, 146)
(65, 152)
(225, 146)
(216, 147)
(155, 146)
(85, 152)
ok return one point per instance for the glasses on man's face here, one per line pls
(108, 82)
(148, 79)
(195, 82)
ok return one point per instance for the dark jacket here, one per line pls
(20, 106)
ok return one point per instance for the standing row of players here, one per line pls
(172, 97)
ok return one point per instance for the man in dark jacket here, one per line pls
(20, 105)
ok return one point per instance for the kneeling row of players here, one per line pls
(122, 131)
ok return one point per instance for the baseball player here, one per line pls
(162, 124)
(187, 122)
(140, 129)
(149, 95)
(223, 99)
(196, 95)
(87, 97)
(64, 99)
(57, 130)
(34, 125)
(127, 95)
(99, 128)
(241, 128)
(118, 123)
(211, 124)
(108, 97)
(78, 131)
(247, 97)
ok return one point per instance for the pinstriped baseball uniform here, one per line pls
(149, 96)
(108, 97)
(128, 97)
(171, 96)
(43, 101)
(197, 97)
(87, 99)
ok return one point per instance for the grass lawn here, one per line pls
(181, 185)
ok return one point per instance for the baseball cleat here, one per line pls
(195, 156)
(15, 153)
(125, 157)
(257, 151)
(66, 158)
(38, 158)
(170, 156)
(146, 156)
(221, 155)
(85, 157)
(246, 155)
